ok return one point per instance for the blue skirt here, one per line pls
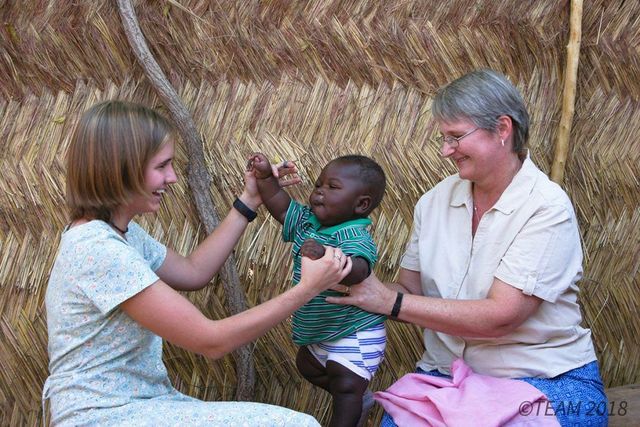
(577, 397)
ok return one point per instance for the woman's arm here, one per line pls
(171, 316)
(548, 244)
(500, 313)
(196, 270)
(408, 283)
(504, 309)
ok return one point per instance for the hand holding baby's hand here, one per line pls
(260, 165)
(312, 249)
(286, 171)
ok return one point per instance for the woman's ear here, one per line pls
(505, 127)
(362, 205)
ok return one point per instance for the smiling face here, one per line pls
(476, 154)
(339, 194)
(158, 175)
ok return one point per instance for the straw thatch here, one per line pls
(309, 81)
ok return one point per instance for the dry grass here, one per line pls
(310, 81)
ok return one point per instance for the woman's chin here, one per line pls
(153, 207)
(465, 173)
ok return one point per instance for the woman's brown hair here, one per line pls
(107, 156)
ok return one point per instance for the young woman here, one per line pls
(112, 297)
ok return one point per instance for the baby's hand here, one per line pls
(312, 249)
(259, 163)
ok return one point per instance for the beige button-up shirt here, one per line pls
(528, 239)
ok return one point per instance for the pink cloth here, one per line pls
(469, 399)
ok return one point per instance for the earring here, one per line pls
(502, 141)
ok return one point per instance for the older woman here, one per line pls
(492, 266)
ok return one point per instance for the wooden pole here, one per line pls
(199, 182)
(568, 93)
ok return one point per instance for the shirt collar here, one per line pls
(512, 197)
(519, 189)
(461, 193)
(328, 231)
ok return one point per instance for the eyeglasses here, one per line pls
(453, 141)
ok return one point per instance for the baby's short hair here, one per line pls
(371, 175)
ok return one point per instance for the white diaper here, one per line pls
(361, 352)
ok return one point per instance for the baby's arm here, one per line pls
(273, 196)
(359, 269)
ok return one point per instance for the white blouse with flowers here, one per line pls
(105, 368)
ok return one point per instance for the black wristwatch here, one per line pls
(245, 210)
(395, 311)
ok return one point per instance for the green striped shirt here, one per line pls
(318, 320)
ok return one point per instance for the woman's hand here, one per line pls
(286, 172)
(263, 169)
(370, 295)
(325, 272)
(261, 166)
(250, 195)
(258, 167)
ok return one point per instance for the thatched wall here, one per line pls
(308, 81)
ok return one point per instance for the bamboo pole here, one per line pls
(569, 92)
(199, 182)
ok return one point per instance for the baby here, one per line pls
(341, 347)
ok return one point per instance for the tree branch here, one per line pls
(569, 92)
(199, 181)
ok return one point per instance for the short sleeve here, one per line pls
(112, 270)
(411, 257)
(152, 251)
(114, 273)
(357, 241)
(545, 257)
(296, 214)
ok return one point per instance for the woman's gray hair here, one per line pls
(482, 96)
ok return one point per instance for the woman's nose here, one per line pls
(171, 177)
(446, 150)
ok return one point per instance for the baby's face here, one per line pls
(336, 193)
